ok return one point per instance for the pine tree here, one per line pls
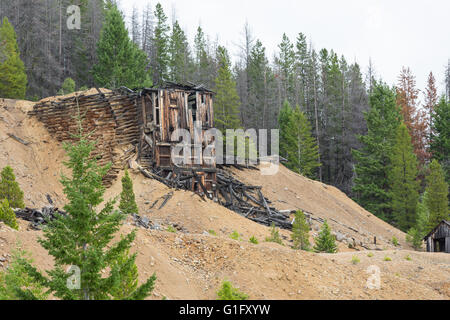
(7, 215)
(10, 189)
(203, 61)
(437, 195)
(180, 60)
(67, 87)
(83, 237)
(161, 43)
(285, 63)
(13, 79)
(372, 161)
(440, 144)
(128, 271)
(416, 234)
(120, 61)
(15, 277)
(325, 242)
(226, 105)
(287, 139)
(431, 100)
(306, 148)
(296, 142)
(261, 80)
(407, 95)
(127, 198)
(404, 186)
(228, 292)
(300, 231)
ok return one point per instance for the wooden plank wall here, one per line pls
(110, 117)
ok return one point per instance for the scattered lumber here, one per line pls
(233, 194)
(26, 143)
(37, 217)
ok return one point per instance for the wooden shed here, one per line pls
(438, 240)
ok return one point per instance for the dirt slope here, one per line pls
(191, 263)
(289, 190)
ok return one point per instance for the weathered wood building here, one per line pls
(438, 240)
(138, 125)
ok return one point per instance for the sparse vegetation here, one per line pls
(355, 260)
(370, 254)
(395, 241)
(235, 235)
(228, 292)
(253, 240)
(408, 257)
(386, 258)
(212, 232)
(170, 228)
(274, 235)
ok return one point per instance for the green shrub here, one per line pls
(212, 232)
(7, 215)
(15, 277)
(228, 292)
(355, 260)
(274, 235)
(235, 235)
(395, 241)
(370, 254)
(408, 257)
(325, 242)
(253, 240)
(10, 189)
(171, 229)
(386, 258)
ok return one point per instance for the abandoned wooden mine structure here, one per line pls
(438, 240)
(138, 124)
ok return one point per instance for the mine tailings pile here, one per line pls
(134, 128)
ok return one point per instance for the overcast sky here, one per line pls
(393, 33)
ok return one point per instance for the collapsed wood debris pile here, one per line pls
(233, 194)
(249, 201)
(37, 217)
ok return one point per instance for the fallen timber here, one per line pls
(36, 217)
(246, 200)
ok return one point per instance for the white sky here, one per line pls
(393, 33)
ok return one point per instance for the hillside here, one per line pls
(191, 263)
